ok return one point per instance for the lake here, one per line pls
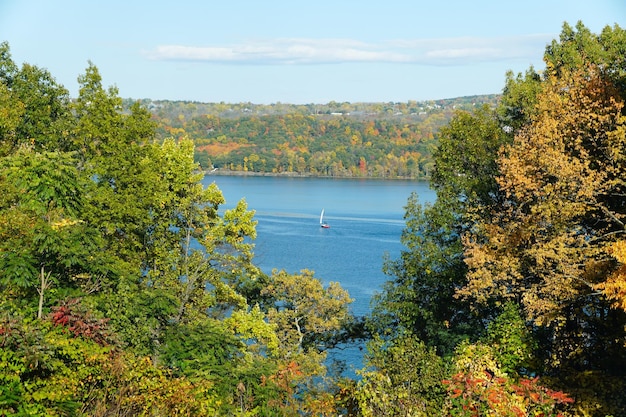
(365, 218)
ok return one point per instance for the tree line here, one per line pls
(127, 291)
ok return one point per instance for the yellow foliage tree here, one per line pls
(547, 245)
(555, 243)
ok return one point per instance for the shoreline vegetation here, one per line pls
(234, 173)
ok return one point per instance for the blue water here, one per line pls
(366, 221)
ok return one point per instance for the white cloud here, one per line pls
(457, 53)
(298, 51)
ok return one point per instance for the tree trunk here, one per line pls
(44, 284)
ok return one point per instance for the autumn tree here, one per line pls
(548, 245)
(305, 309)
(306, 315)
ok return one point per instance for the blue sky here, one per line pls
(297, 52)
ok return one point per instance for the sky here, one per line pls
(291, 51)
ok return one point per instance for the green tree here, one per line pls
(421, 296)
(38, 114)
(114, 150)
(403, 377)
(519, 98)
(11, 112)
(45, 242)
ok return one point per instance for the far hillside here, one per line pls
(377, 140)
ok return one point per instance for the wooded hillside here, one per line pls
(378, 140)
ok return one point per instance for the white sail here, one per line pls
(322, 223)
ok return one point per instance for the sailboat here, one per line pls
(322, 222)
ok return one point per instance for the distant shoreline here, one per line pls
(226, 172)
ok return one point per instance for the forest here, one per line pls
(128, 291)
(367, 140)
